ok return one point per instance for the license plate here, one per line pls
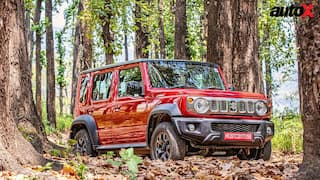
(238, 136)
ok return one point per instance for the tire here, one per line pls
(166, 144)
(83, 145)
(248, 154)
(255, 154)
(266, 151)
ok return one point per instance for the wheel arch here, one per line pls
(162, 113)
(85, 122)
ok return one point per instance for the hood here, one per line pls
(211, 93)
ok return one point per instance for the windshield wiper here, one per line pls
(182, 86)
(214, 87)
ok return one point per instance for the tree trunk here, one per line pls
(142, 39)
(233, 42)
(220, 35)
(75, 64)
(51, 91)
(108, 39)
(267, 62)
(126, 52)
(308, 42)
(82, 53)
(37, 14)
(17, 107)
(247, 73)
(86, 41)
(204, 29)
(161, 30)
(180, 32)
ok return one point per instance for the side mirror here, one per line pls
(134, 88)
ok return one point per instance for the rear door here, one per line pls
(101, 108)
(130, 108)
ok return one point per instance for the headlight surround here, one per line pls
(261, 108)
(201, 105)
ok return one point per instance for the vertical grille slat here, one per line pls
(223, 106)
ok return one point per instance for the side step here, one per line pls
(119, 146)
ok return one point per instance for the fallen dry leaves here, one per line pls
(281, 166)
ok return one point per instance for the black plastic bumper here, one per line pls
(210, 132)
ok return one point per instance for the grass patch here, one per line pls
(288, 133)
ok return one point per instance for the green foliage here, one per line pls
(127, 158)
(46, 167)
(63, 124)
(55, 152)
(276, 40)
(80, 167)
(288, 133)
(61, 54)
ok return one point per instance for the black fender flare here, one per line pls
(169, 109)
(88, 122)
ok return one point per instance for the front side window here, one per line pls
(101, 86)
(181, 74)
(130, 82)
(83, 89)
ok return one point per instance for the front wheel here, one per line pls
(83, 146)
(255, 154)
(166, 144)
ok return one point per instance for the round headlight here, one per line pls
(261, 108)
(201, 105)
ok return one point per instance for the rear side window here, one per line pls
(83, 89)
(101, 86)
(130, 81)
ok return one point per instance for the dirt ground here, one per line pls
(281, 166)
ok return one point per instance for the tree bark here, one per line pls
(233, 42)
(126, 52)
(247, 73)
(162, 38)
(17, 109)
(86, 41)
(108, 37)
(37, 16)
(308, 42)
(220, 35)
(82, 53)
(180, 32)
(51, 91)
(142, 39)
(75, 64)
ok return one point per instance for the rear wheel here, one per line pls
(83, 146)
(166, 144)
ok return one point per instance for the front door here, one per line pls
(129, 110)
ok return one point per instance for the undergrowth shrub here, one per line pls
(288, 133)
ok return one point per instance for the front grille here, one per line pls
(234, 127)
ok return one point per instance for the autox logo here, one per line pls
(304, 10)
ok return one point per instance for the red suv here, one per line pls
(172, 107)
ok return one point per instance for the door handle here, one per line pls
(90, 111)
(117, 108)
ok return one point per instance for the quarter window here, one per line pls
(101, 86)
(83, 89)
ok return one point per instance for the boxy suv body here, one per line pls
(172, 107)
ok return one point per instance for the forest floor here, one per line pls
(281, 166)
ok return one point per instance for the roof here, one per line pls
(138, 61)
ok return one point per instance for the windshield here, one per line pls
(181, 74)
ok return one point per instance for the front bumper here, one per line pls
(210, 132)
